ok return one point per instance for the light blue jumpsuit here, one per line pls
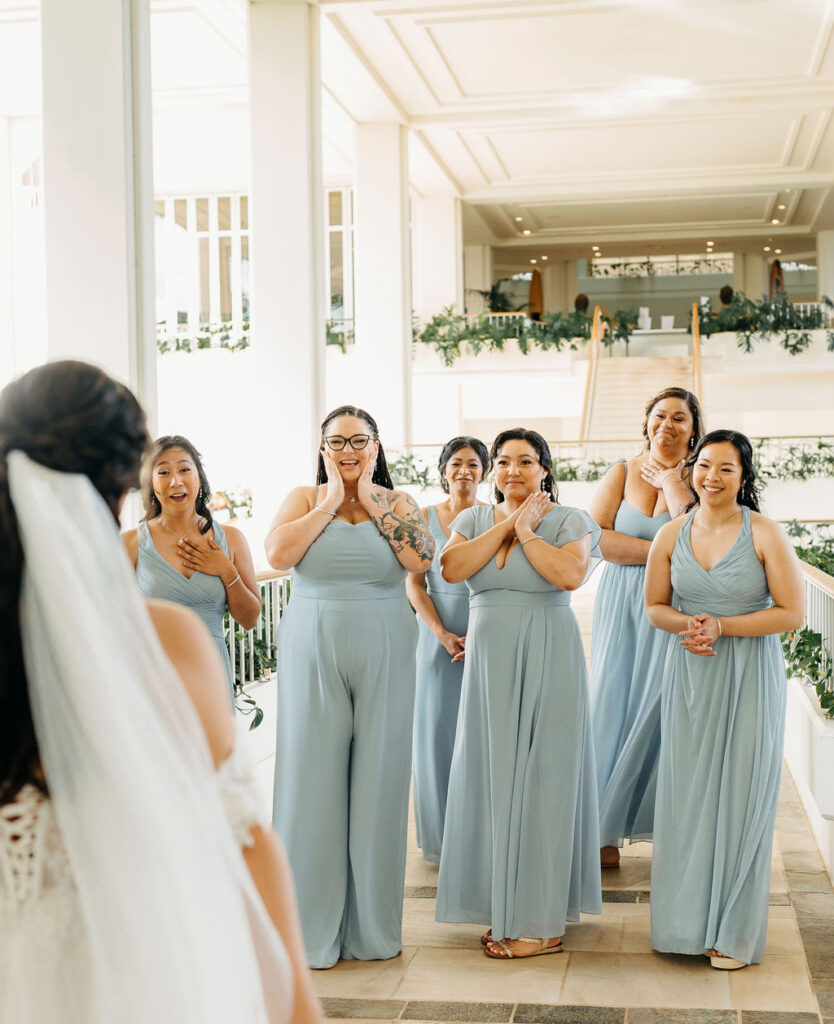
(436, 705)
(627, 655)
(521, 841)
(346, 664)
(202, 593)
(722, 724)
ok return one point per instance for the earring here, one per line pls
(692, 442)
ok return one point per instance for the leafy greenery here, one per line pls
(262, 653)
(406, 469)
(497, 300)
(339, 333)
(208, 336)
(752, 322)
(450, 334)
(565, 470)
(801, 461)
(807, 658)
(238, 502)
(815, 543)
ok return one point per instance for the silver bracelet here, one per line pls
(227, 585)
(534, 537)
(325, 511)
(720, 630)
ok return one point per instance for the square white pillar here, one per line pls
(98, 188)
(287, 240)
(825, 264)
(382, 277)
(438, 274)
(477, 276)
(755, 277)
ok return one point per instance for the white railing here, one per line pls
(819, 607)
(806, 308)
(248, 651)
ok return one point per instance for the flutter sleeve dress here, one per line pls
(436, 703)
(346, 666)
(627, 656)
(722, 726)
(202, 593)
(521, 843)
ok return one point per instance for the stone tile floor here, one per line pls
(608, 973)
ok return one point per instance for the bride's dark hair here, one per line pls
(69, 416)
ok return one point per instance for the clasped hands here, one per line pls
(655, 473)
(700, 634)
(526, 518)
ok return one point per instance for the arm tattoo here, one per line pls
(404, 531)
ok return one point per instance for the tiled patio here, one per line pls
(608, 973)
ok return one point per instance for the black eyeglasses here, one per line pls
(336, 442)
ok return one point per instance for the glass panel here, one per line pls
(205, 307)
(202, 214)
(244, 213)
(225, 253)
(334, 204)
(244, 274)
(224, 213)
(180, 213)
(337, 296)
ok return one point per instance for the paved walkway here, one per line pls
(608, 973)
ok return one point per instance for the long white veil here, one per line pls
(177, 932)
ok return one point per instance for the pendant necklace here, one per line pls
(173, 533)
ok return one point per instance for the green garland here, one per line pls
(450, 334)
(753, 322)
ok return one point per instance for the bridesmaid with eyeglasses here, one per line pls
(346, 676)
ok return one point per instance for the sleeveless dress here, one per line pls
(521, 842)
(346, 666)
(627, 655)
(437, 701)
(202, 593)
(45, 963)
(722, 724)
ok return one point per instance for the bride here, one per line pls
(137, 882)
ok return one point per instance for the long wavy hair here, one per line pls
(694, 411)
(454, 446)
(150, 500)
(542, 448)
(71, 417)
(381, 475)
(750, 491)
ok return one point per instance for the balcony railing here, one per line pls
(252, 651)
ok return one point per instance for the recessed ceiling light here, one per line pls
(767, 248)
(519, 219)
(787, 190)
(775, 220)
(534, 261)
(778, 252)
(595, 248)
(781, 206)
(545, 257)
(527, 231)
(710, 243)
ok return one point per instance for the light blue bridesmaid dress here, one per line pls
(627, 655)
(346, 664)
(436, 703)
(202, 593)
(720, 763)
(521, 843)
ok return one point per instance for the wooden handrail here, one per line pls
(271, 574)
(696, 350)
(597, 330)
(819, 578)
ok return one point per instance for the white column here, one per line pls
(739, 282)
(572, 285)
(7, 333)
(438, 275)
(477, 276)
(825, 264)
(556, 298)
(98, 188)
(755, 277)
(287, 239)
(382, 279)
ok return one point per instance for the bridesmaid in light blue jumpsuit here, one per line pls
(738, 584)
(627, 653)
(443, 611)
(182, 555)
(521, 843)
(346, 667)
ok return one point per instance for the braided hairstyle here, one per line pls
(542, 448)
(150, 500)
(381, 475)
(694, 411)
(69, 416)
(452, 447)
(750, 491)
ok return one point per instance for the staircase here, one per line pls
(624, 386)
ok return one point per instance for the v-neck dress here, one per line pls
(627, 655)
(346, 664)
(521, 841)
(202, 593)
(722, 726)
(436, 703)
